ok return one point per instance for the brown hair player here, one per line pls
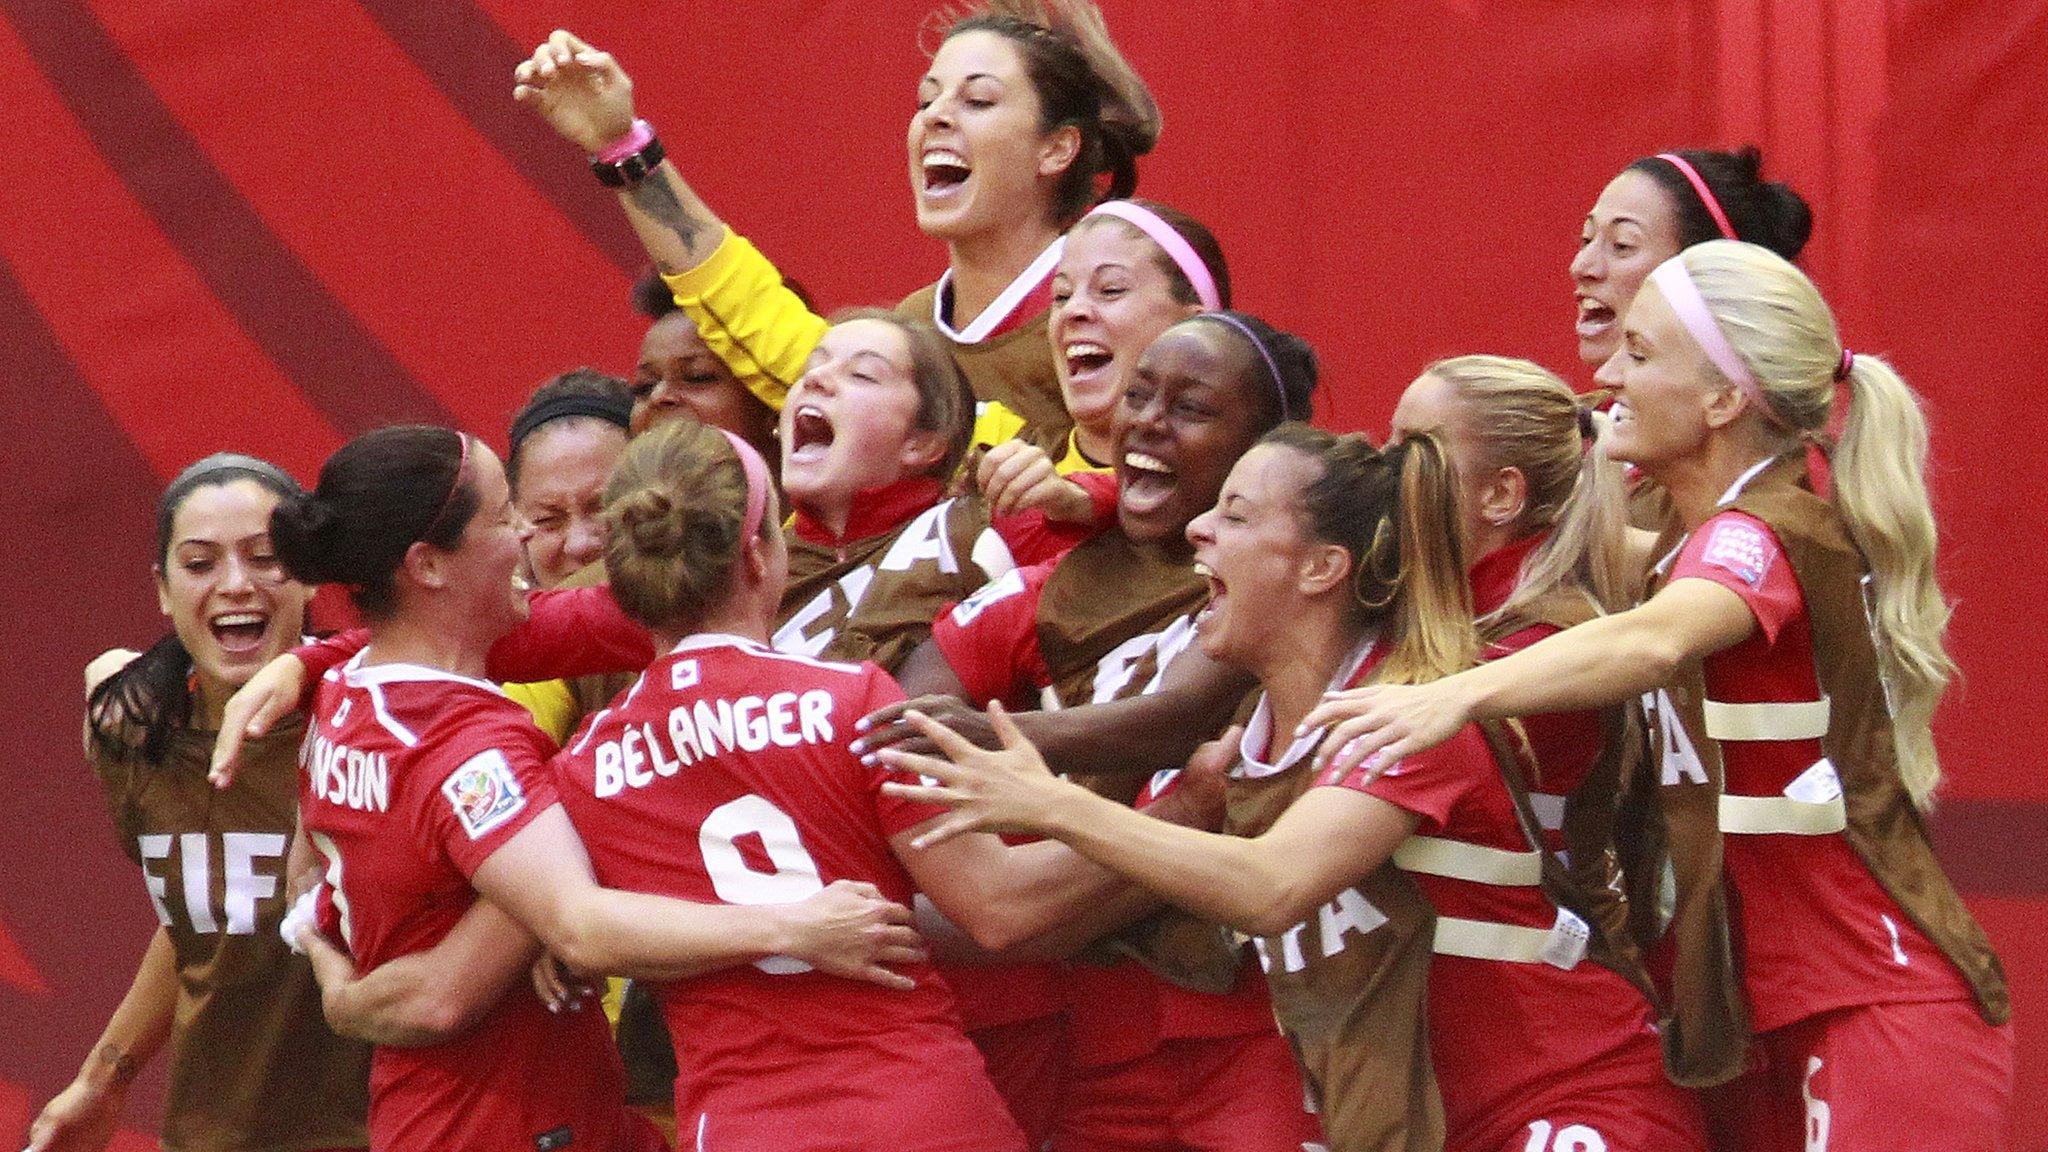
(425, 788)
(252, 1062)
(1657, 207)
(1026, 113)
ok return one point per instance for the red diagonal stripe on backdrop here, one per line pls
(410, 219)
(76, 497)
(15, 968)
(469, 59)
(169, 364)
(346, 371)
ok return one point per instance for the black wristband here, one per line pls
(631, 170)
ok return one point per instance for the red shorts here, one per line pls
(1623, 1103)
(1893, 1077)
(1027, 1062)
(1226, 1094)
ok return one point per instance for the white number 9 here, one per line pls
(795, 875)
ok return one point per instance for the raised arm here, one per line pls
(585, 96)
(1596, 664)
(744, 311)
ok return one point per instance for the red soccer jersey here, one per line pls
(991, 641)
(1566, 744)
(1815, 928)
(413, 777)
(1509, 1039)
(723, 775)
(1004, 664)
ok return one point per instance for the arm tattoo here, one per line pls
(123, 1064)
(654, 197)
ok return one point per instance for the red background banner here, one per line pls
(267, 227)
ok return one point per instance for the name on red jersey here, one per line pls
(643, 752)
(349, 777)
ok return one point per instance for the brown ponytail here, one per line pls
(1396, 513)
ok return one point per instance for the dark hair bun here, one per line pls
(1768, 214)
(305, 529)
(1791, 220)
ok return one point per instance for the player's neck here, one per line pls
(404, 641)
(210, 703)
(985, 264)
(1698, 482)
(745, 616)
(1300, 670)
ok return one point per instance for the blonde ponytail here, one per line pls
(1880, 487)
(1431, 611)
(1782, 329)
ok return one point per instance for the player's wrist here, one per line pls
(1062, 809)
(782, 930)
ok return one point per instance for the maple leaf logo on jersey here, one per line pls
(1742, 549)
(484, 793)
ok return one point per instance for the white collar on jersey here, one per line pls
(1258, 731)
(1742, 482)
(1005, 303)
(356, 674)
(1727, 498)
(699, 640)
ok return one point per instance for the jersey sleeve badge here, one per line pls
(484, 793)
(1741, 548)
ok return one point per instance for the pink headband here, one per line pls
(1706, 194)
(1672, 279)
(1175, 246)
(454, 486)
(757, 482)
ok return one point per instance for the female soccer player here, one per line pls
(1660, 205)
(1532, 1045)
(424, 787)
(1156, 1065)
(678, 375)
(1540, 513)
(738, 753)
(562, 445)
(1023, 111)
(1801, 640)
(252, 1063)
(1128, 271)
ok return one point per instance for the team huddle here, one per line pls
(1005, 722)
